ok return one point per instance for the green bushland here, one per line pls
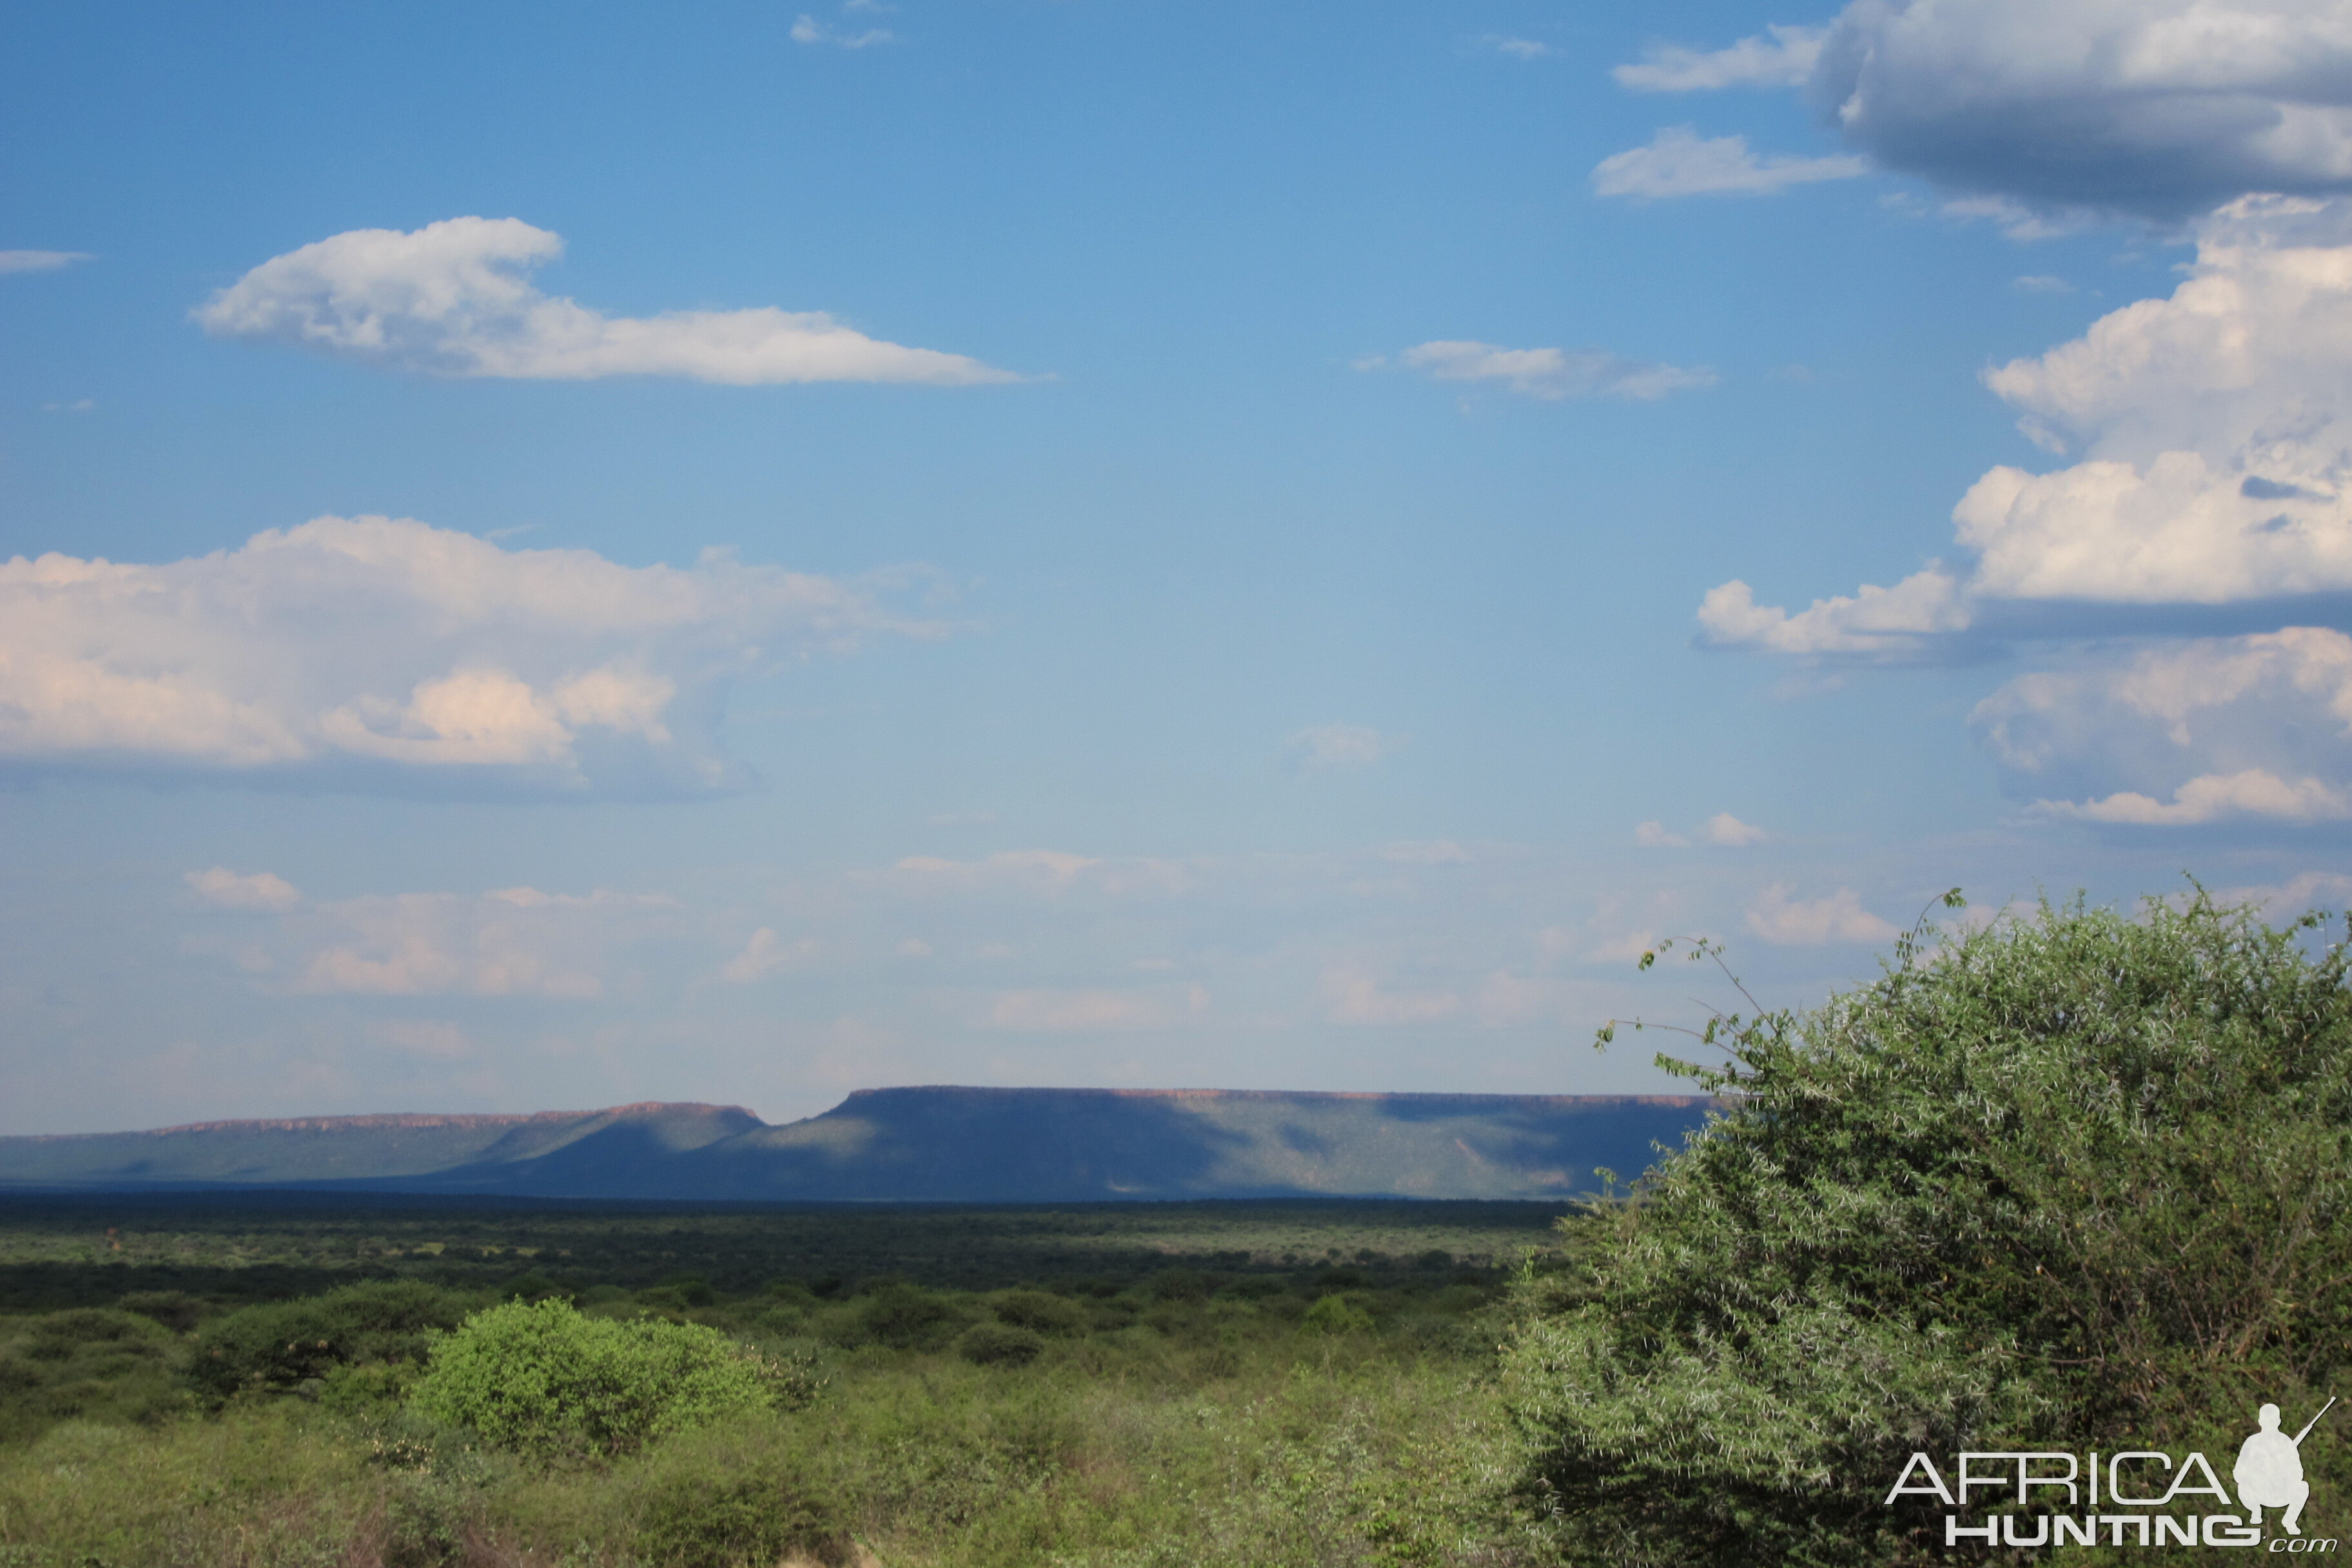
(2069, 1182)
(246, 1249)
(1162, 1405)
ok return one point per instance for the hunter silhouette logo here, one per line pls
(2138, 1497)
(2269, 1471)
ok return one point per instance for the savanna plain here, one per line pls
(189, 1380)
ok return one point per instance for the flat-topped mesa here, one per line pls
(1404, 1096)
(931, 1143)
(416, 1119)
(347, 1123)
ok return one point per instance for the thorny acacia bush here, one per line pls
(2075, 1181)
(542, 1378)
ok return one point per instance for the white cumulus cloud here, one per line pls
(2214, 432)
(1785, 58)
(1810, 922)
(2184, 732)
(2041, 113)
(375, 653)
(1552, 374)
(2161, 108)
(455, 298)
(1678, 162)
(1727, 830)
(1873, 622)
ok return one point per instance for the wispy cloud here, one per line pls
(1324, 747)
(808, 31)
(515, 941)
(455, 298)
(222, 889)
(2214, 797)
(1517, 48)
(1678, 162)
(1810, 922)
(1783, 59)
(763, 954)
(1549, 373)
(1091, 1010)
(1722, 829)
(1353, 994)
(39, 260)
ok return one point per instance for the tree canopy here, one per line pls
(2068, 1180)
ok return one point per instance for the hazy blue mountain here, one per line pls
(939, 1143)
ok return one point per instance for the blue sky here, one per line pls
(572, 555)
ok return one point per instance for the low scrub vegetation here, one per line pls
(1340, 1413)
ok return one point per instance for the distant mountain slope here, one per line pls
(921, 1144)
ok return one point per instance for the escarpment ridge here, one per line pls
(939, 1143)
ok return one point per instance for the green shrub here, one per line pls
(359, 1388)
(2078, 1182)
(678, 1293)
(905, 1318)
(175, 1309)
(749, 1520)
(1335, 1315)
(285, 1344)
(533, 1286)
(1039, 1311)
(998, 1345)
(1177, 1285)
(425, 1521)
(542, 1378)
(88, 1364)
(59, 1336)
